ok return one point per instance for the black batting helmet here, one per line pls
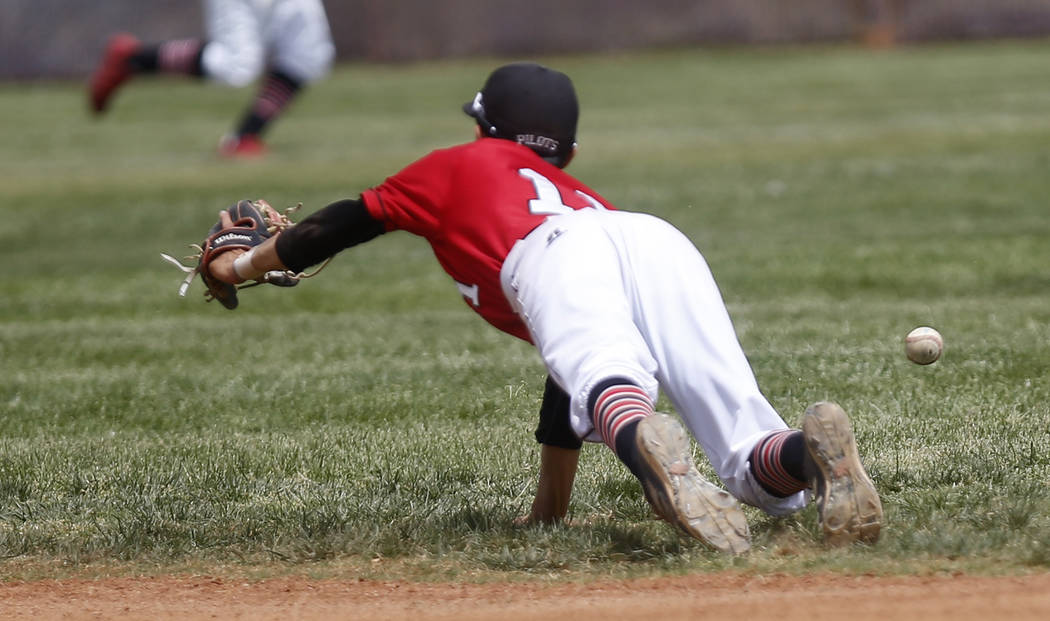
(530, 104)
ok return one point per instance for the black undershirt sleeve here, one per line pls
(326, 232)
(554, 427)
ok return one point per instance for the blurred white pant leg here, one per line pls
(299, 39)
(235, 54)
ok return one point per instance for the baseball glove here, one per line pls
(253, 223)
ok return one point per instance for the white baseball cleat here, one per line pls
(680, 495)
(848, 504)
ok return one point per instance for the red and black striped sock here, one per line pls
(182, 56)
(777, 463)
(617, 406)
(276, 92)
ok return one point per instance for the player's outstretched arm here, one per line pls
(319, 236)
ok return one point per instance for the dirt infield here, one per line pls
(718, 596)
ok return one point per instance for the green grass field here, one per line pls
(367, 423)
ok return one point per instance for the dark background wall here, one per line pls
(52, 38)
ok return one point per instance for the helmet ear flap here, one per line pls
(476, 109)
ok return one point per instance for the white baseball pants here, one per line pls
(247, 36)
(619, 294)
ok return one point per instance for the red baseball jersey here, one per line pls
(472, 202)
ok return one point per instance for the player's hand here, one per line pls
(533, 520)
(222, 268)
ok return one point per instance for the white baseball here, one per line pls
(923, 345)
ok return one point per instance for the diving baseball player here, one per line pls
(619, 305)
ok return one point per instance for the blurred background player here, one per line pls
(288, 40)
